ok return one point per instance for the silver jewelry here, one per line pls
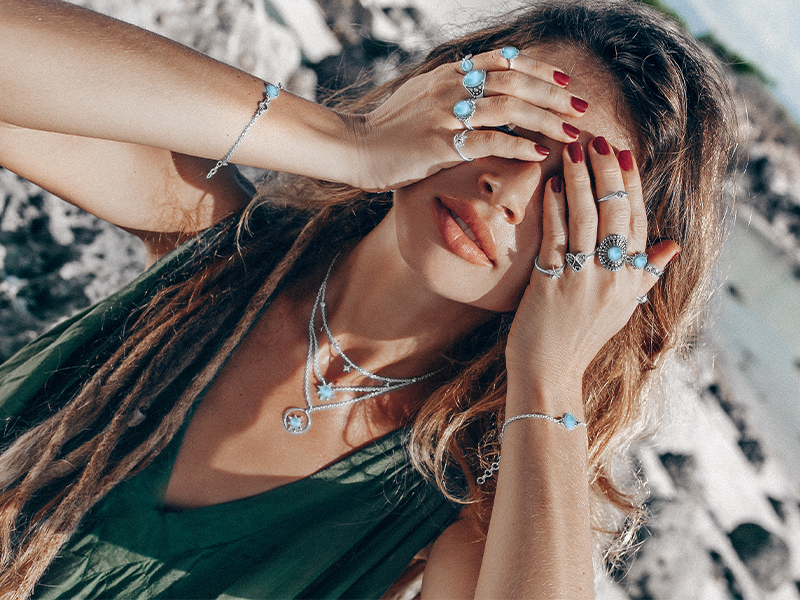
(509, 53)
(475, 82)
(554, 273)
(653, 270)
(642, 299)
(459, 140)
(637, 261)
(271, 92)
(466, 64)
(613, 196)
(612, 252)
(578, 261)
(464, 110)
(297, 419)
(567, 420)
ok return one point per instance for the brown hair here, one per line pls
(674, 94)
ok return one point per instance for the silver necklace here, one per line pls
(297, 419)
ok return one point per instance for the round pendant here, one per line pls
(296, 420)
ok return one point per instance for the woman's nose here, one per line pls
(510, 187)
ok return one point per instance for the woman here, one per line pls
(401, 337)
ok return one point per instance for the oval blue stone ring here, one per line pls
(509, 53)
(466, 64)
(474, 82)
(613, 252)
(464, 110)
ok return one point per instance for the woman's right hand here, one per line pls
(411, 135)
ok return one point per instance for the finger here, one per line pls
(615, 213)
(637, 240)
(554, 225)
(524, 63)
(534, 91)
(495, 111)
(490, 142)
(659, 255)
(582, 210)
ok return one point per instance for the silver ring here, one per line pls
(475, 82)
(577, 261)
(459, 140)
(613, 196)
(612, 252)
(554, 273)
(466, 64)
(637, 261)
(653, 270)
(464, 110)
(509, 53)
(642, 299)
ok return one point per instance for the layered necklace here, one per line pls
(297, 419)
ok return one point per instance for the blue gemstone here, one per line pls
(474, 78)
(509, 52)
(569, 421)
(614, 253)
(272, 90)
(639, 261)
(463, 109)
(466, 65)
(295, 422)
(325, 391)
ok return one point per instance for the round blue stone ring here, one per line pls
(464, 110)
(637, 261)
(612, 252)
(466, 64)
(474, 82)
(509, 53)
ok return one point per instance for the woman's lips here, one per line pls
(455, 237)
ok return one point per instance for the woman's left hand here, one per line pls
(563, 322)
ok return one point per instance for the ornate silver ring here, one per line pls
(459, 140)
(475, 82)
(637, 261)
(464, 110)
(642, 299)
(612, 252)
(554, 273)
(653, 270)
(577, 261)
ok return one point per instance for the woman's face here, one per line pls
(499, 201)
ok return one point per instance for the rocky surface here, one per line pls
(726, 522)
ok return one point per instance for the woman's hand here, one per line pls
(411, 135)
(562, 323)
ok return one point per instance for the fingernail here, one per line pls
(571, 130)
(557, 184)
(575, 152)
(601, 145)
(625, 159)
(578, 104)
(543, 150)
(560, 78)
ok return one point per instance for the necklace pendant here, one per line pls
(296, 420)
(326, 392)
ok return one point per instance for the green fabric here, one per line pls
(347, 531)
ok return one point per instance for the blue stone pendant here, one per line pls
(325, 392)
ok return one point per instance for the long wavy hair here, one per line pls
(675, 96)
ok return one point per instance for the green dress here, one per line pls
(348, 531)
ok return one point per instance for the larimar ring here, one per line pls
(612, 252)
(464, 110)
(554, 273)
(637, 261)
(642, 299)
(474, 82)
(577, 261)
(613, 196)
(509, 53)
(653, 270)
(466, 64)
(459, 140)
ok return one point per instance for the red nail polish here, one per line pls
(601, 145)
(560, 78)
(557, 184)
(543, 150)
(575, 152)
(571, 130)
(578, 104)
(625, 159)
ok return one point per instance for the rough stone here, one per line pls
(765, 555)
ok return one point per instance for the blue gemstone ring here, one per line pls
(466, 64)
(475, 82)
(637, 261)
(464, 110)
(612, 252)
(509, 53)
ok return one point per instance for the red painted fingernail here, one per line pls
(575, 152)
(560, 78)
(601, 145)
(578, 104)
(625, 159)
(571, 130)
(543, 150)
(557, 184)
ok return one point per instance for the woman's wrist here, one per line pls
(553, 396)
